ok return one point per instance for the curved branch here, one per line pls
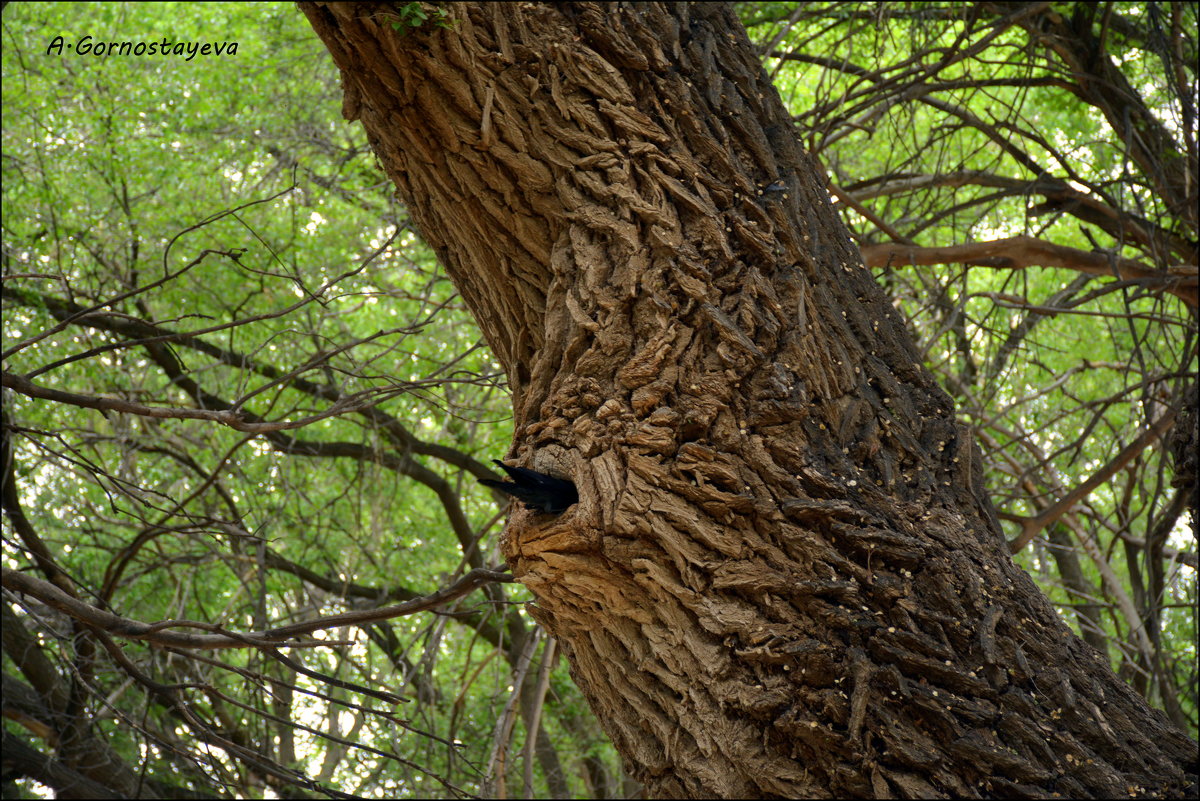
(236, 420)
(1030, 526)
(1019, 252)
(155, 633)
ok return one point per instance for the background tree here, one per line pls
(761, 463)
(225, 377)
(1048, 162)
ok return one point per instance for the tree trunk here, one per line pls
(783, 577)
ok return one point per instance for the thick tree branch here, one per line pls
(158, 634)
(1020, 252)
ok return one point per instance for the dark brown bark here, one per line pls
(783, 576)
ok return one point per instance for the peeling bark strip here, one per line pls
(783, 577)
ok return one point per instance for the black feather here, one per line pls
(539, 491)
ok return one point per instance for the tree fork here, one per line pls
(783, 576)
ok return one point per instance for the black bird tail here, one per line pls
(538, 491)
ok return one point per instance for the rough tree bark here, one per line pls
(783, 577)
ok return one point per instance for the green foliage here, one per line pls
(415, 15)
(122, 171)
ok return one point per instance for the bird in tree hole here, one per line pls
(540, 492)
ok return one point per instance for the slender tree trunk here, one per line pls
(783, 576)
